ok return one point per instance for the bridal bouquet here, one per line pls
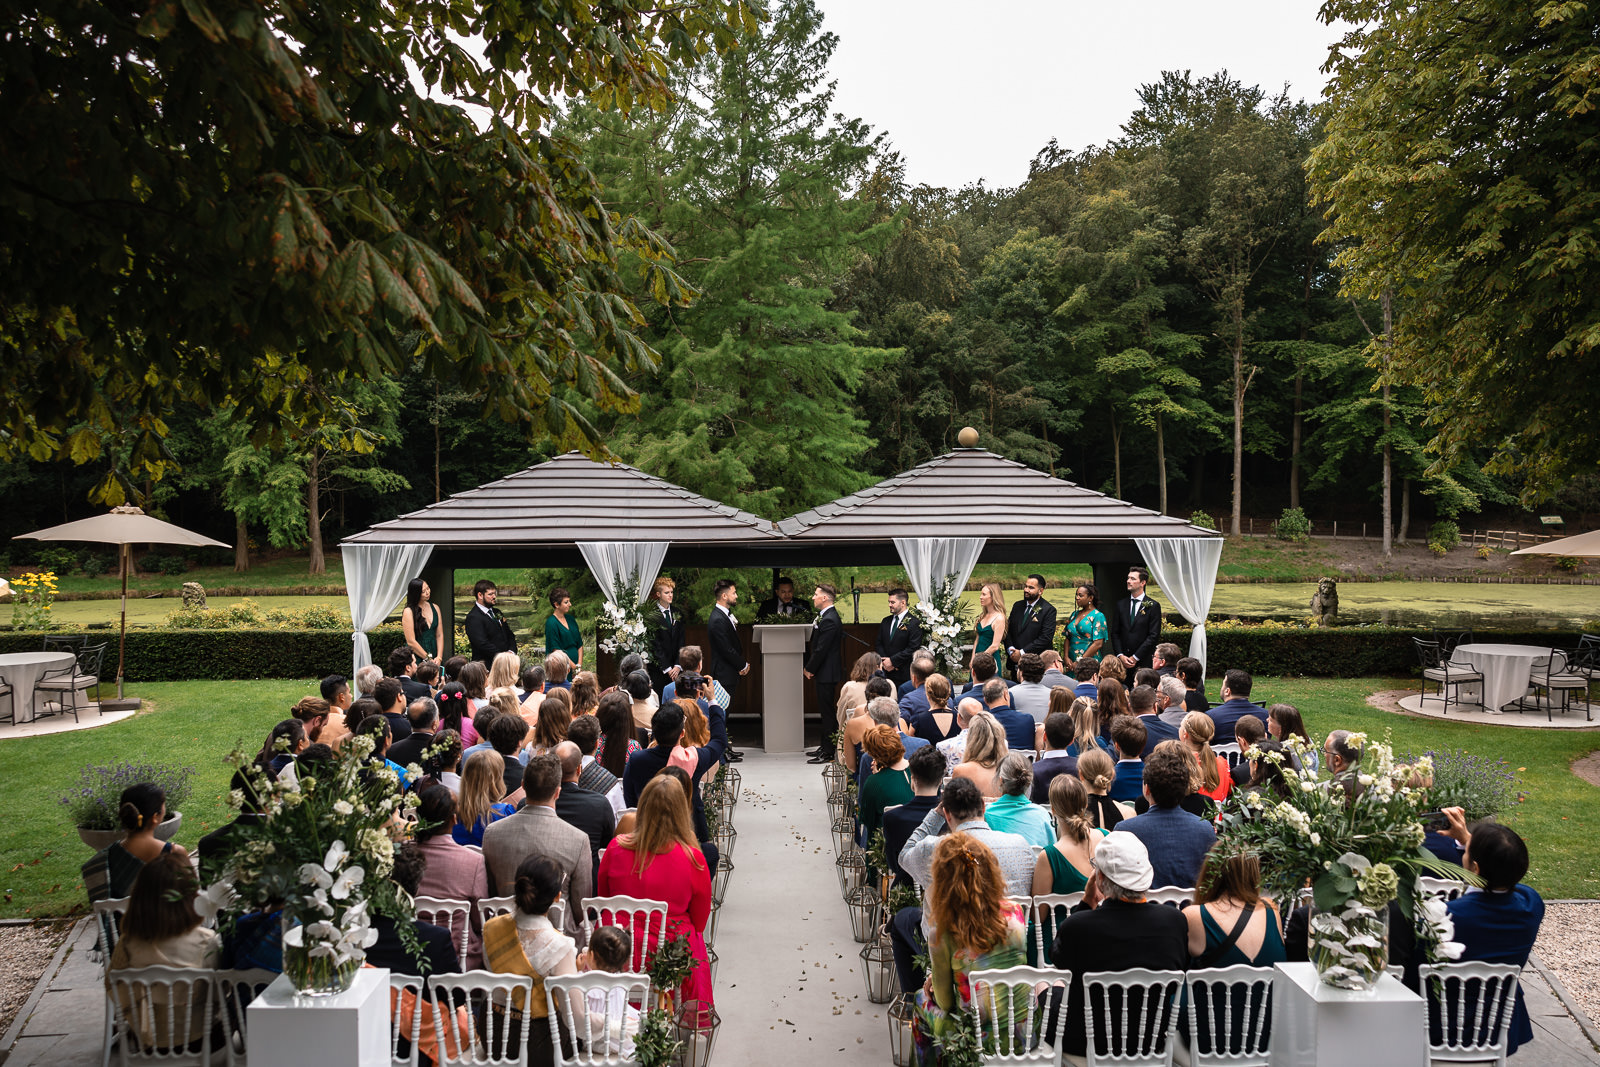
(944, 620)
(322, 856)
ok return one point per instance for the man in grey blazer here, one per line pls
(536, 830)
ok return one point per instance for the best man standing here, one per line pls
(728, 664)
(1135, 623)
(487, 629)
(1032, 626)
(822, 665)
(667, 627)
(899, 637)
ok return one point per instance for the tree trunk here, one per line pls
(1238, 417)
(1388, 452)
(1405, 509)
(1116, 453)
(241, 545)
(319, 565)
(1294, 437)
(438, 420)
(1161, 463)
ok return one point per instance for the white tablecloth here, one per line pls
(1505, 669)
(22, 669)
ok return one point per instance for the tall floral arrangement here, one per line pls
(323, 856)
(944, 619)
(1356, 838)
(622, 629)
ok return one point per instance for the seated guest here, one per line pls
(1165, 659)
(530, 687)
(557, 666)
(883, 711)
(1087, 671)
(503, 671)
(1097, 773)
(976, 928)
(984, 668)
(453, 712)
(1341, 755)
(1248, 732)
(889, 784)
(1171, 701)
(1012, 811)
(450, 669)
(1031, 696)
(915, 700)
(427, 673)
(1123, 932)
(535, 829)
(617, 742)
(1067, 861)
(1235, 702)
(1197, 803)
(866, 719)
(421, 714)
(478, 726)
(585, 733)
(1231, 922)
(980, 759)
(953, 746)
(391, 700)
(1020, 729)
(401, 666)
(852, 695)
(1284, 724)
(937, 722)
(1128, 735)
(462, 873)
(1111, 669)
(453, 871)
(642, 708)
(1086, 728)
(1215, 777)
(506, 734)
(585, 693)
(665, 730)
(441, 758)
(1268, 776)
(216, 848)
(551, 729)
(1112, 701)
(474, 679)
(1144, 700)
(926, 769)
(611, 950)
(1177, 841)
(1053, 675)
(335, 689)
(526, 942)
(313, 714)
(283, 744)
(689, 659)
(1193, 677)
(1145, 676)
(1500, 922)
(589, 811)
(162, 929)
(479, 804)
(1056, 759)
(367, 679)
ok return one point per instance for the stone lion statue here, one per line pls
(1325, 601)
(194, 595)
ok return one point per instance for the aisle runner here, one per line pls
(789, 977)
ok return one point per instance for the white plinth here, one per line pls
(783, 681)
(1313, 1023)
(350, 1029)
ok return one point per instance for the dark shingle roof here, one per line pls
(570, 498)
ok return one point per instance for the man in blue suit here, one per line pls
(1143, 701)
(915, 700)
(1128, 735)
(1235, 702)
(1177, 841)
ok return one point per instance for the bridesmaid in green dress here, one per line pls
(420, 621)
(990, 636)
(561, 632)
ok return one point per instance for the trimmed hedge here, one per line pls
(1337, 652)
(190, 655)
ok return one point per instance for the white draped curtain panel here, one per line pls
(620, 561)
(1186, 570)
(928, 559)
(375, 578)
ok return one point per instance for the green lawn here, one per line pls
(197, 723)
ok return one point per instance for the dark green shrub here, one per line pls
(1339, 652)
(1292, 525)
(187, 655)
(1443, 536)
(1204, 520)
(95, 564)
(55, 558)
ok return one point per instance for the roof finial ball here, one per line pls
(968, 437)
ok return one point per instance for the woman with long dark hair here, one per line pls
(419, 621)
(617, 740)
(162, 929)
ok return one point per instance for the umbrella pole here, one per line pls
(122, 632)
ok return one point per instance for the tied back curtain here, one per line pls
(1186, 570)
(612, 562)
(375, 579)
(928, 559)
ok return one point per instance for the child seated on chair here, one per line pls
(611, 950)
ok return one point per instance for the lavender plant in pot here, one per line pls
(92, 803)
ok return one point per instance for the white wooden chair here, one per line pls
(489, 907)
(603, 1037)
(452, 914)
(401, 1025)
(108, 918)
(235, 991)
(645, 921)
(1135, 1012)
(159, 1015)
(1175, 895)
(1049, 911)
(1229, 1010)
(1014, 1016)
(1471, 1002)
(1446, 889)
(1229, 751)
(484, 995)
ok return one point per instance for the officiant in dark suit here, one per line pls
(822, 665)
(782, 602)
(728, 664)
(487, 630)
(1032, 625)
(899, 637)
(1135, 622)
(666, 635)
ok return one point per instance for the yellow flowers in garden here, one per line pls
(32, 597)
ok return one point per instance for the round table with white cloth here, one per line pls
(21, 670)
(1505, 668)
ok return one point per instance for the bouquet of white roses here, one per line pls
(944, 619)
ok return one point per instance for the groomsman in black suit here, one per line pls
(1032, 626)
(822, 665)
(487, 630)
(728, 664)
(899, 637)
(1135, 623)
(666, 635)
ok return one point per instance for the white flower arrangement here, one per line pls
(623, 630)
(944, 619)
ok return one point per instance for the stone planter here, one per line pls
(103, 839)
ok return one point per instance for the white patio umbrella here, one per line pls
(1584, 544)
(123, 526)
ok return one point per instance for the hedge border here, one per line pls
(194, 655)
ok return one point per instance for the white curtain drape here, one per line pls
(618, 561)
(1186, 570)
(375, 578)
(928, 559)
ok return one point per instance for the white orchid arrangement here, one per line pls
(944, 619)
(322, 855)
(623, 629)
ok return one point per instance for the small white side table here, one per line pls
(1313, 1023)
(350, 1028)
(783, 693)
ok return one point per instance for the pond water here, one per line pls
(1443, 604)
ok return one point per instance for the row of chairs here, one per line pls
(1134, 1014)
(645, 920)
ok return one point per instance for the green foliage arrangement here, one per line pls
(161, 563)
(1292, 525)
(1481, 786)
(248, 615)
(656, 1044)
(1570, 564)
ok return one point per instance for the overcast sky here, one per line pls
(968, 91)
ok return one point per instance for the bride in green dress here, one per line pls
(991, 632)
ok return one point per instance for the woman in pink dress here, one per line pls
(661, 861)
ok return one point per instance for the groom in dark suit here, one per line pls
(487, 630)
(1032, 625)
(822, 666)
(1135, 623)
(899, 637)
(728, 664)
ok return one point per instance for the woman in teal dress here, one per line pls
(990, 635)
(1064, 867)
(1086, 630)
(560, 632)
(420, 621)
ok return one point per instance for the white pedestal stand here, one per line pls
(351, 1028)
(783, 694)
(1313, 1023)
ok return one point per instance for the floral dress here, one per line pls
(1083, 631)
(948, 988)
